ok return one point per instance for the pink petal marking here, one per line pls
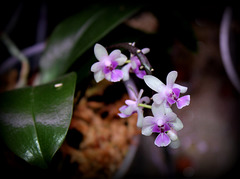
(176, 91)
(162, 140)
(116, 75)
(183, 101)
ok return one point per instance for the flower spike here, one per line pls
(163, 120)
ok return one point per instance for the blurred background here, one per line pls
(200, 41)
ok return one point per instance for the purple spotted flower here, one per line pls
(164, 122)
(132, 106)
(134, 66)
(168, 93)
(106, 67)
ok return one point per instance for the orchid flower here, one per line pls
(134, 106)
(164, 122)
(168, 93)
(134, 66)
(106, 67)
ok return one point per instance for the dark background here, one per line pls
(187, 40)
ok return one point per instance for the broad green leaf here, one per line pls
(34, 120)
(75, 35)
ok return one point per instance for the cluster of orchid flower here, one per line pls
(164, 121)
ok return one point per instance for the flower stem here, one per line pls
(145, 106)
(137, 52)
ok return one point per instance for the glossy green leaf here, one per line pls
(75, 35)
(34, 120)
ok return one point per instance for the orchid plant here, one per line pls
(116, 67)
(35, 114)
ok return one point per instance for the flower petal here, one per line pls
(140, 95)
(108, 76)
(140, 118)
(127, 110)
(121, 59)
(96, 67)
(132, 91)
(183, 89)
(176, 91)
(135, 62)
(131, 102)
(145, 100)
(159, 98)
(170, 116)
(156, 129)
(177, 125)
(125, 71)
(154, 83)
(158, 110)
(123, 115)
(140, 73)
(183, 101)
(170, 100)
(115, 54)
(116, 75)
(147, 125)
(171, 78)
(145, 50)
(98, 76)
(172, 134)
(100, 52)
(162, 140)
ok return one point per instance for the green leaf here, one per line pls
(34, 120)
(75, 35)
